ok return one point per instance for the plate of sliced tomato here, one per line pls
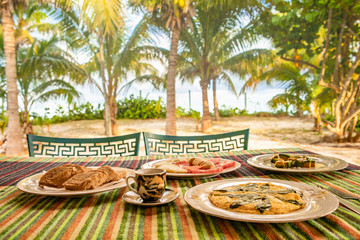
(185, 167)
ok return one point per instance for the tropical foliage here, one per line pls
(328, 29)
(52, 47)
(296, 82)
(173, 15)
(113, 55)
(41, 71)
(216, 47)
(140, 108)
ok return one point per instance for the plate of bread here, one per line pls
(74, 180)
(184, 167)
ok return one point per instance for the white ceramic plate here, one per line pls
(323, 164)
(133, 198)
(191, 175)
(31, 185)
(318, 203)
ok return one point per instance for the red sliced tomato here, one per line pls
(184, 162)
(192, 168)
(215, 160)
(228, 164)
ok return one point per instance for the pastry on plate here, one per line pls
(55, 177)
(113, 175)
(87, 180)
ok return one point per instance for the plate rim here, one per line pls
(176, 195)
(192, 175)
(255, 218)
(343, 164)
(75, 193)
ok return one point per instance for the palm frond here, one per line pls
(107, 16)
(156, 81)
(226, 79)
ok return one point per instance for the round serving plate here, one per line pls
(323, 164)
(318, 203)
(191, 175)
(31, 185)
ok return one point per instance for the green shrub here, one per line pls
(181, 112)
(231, 112)
(84, 111)
(140, 108)
(3, 121)
(329, 118)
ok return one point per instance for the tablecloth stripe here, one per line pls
(10, 174)
(187, 222)
(106, 216)
(347, 227)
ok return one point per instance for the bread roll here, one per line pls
(206, 164)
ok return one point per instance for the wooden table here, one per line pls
(107, 216)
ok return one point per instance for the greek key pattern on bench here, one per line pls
(43, 146)
(197, 144)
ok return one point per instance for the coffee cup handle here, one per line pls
(129, 185)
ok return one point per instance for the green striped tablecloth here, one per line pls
(106, 216)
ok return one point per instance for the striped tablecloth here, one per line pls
(106, 216)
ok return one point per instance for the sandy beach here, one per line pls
(265, 132)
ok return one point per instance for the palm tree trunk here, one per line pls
(14, 138)
(298, 106)
(206, 123)
(170, 127)
(107, 94)
(216, 109)
(107, 122)
(113, 113)
(27, 126)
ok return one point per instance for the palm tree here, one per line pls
(14, 130)
(176, 14)
(31, 17)
(296, 80)
(96, 33)
(112, 58)
(8, 9)
(213, 50)
(40, 69)
(285, 100)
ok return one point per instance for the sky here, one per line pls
(256, 100)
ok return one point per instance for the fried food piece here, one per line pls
(114, 175)
(206, 164)
(55, 177)
(87, 180)
(290, 161)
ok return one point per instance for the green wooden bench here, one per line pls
(125, 145)
(166, 144)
